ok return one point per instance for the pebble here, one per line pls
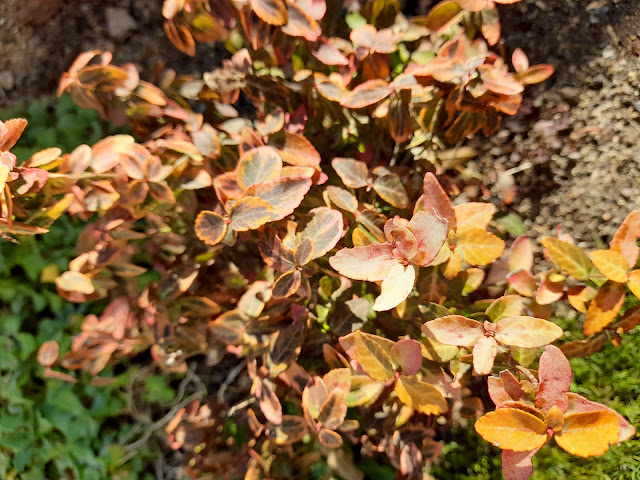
(119, 23)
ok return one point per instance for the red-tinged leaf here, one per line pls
(454, 330)
(43, 158)
(633, 282)
(554, 374)
(512, 429)
(316, 8)
(270, 405)
(341, 198)
(371, 263)
(258, 165)
(363, 36)
(430, 231)
(13, 129)
(367, 93)
(505, 388)
(327, 53)
(526, 332)
(507, 306)
(329, 439)
(578, 403)
(300, 23)
(436, 198)
(626, 238)
(604, 308)
(283, 194)
(584, 348)
(287, 284)
(285, 347)
(484, 354)
(628, 322)
(400, 120)
(588, 434)
(395, 288)
(272, 12)
(304, 252)
(295, 149)
(75, 282)
(611, 264)
(570, 258)
(325, 228)
(180, 37)
(407, 353)
(523, 283)
(499, 81)
(65, 377)
(331, 90)
(353, 173)
(536, 74)
(373, 354)
(249, 213)
(473, 215)
(521, 255)
(517, 465)
(210, 227)
(333, 410)
(443, 15)
(479, 247)
(391, 190)
(551, 289)
(520, 61)
(313, 396)
(48, 353)
(404, 242)
(290, 431)
(421, 396)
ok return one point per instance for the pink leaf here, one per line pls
(554, 373)
(454, 330)
(371, 262)
(484, 354)
(408, 354)
(521, 255)
(435, 197)
(430, 231)
(517, 465)
(505, 388)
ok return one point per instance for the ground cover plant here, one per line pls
(289, 216)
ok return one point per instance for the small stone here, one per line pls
(7, 82)
(119, 23)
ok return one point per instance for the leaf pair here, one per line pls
(409, 245)
(385, 360)
(517, 331)
(324, 401)
(355, 174)
(266, 197)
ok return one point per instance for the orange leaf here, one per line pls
(443, 15)
(526, 332)
(420, 396)
(373, 353)
(604, 308)
(568, 257)
(588, 434)
(479, 247)
(295, 149)
(521, 255)
(353, 173)
(431, 232)
(300, 23)
(625, 238)
(473, 215)
(48, 353)
(367, 93)
(611, 264)
(512, 429)
(283, 194)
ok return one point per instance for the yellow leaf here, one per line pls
(420, 396)
(634, 283)
(395, 288)
(513, 429)
(473, 215)
(479, 247)
(568, 257)
(588, 434)
(374, 355)
(604, 308)
(611, 264)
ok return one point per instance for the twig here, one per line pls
(240, 406)
(235, 371)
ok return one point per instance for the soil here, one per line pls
(574, 146)
(576, 142)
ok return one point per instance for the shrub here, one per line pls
(288, 216)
